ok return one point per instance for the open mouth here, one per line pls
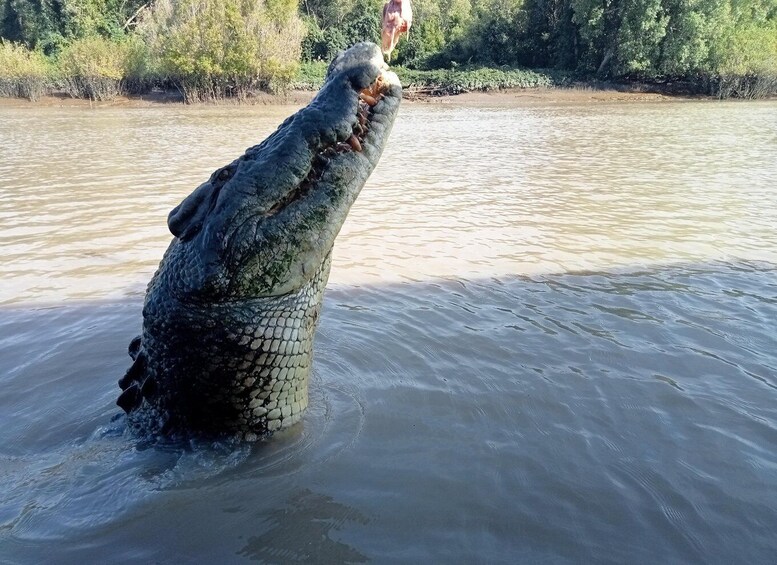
(369, 98)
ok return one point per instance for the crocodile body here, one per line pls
(230, 315)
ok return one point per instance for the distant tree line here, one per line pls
(214, 48)
(644, 39)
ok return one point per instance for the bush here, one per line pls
(139, 73)
(216, 48)
(322, 45)
(443, 81)
(361, 23)
(747, 62)
(23, 73)
(314, 37)
(425, 40)
(95, 67)
(440, 82)
(310, 76)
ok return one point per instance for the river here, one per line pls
(550, 336)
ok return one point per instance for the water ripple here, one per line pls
(556, 344)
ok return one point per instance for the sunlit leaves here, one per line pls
(215, 48)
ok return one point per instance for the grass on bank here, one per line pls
(446, 81)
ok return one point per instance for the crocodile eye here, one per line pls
(224, 174)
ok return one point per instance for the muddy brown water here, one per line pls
(550, 336)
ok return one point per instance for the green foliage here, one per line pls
(216, 48)
(321, 45)
(544, 35)
(747, 61)
(423, 45)
(328, 13)
(23, 73)
(336, 25)
(140, 75)
(361, 23)
(494, 35)
(310, 76)
(443, 81)
(50, 24)
(83, 18)
(675, 38)
(750, 49)
(692, 28)
(643, 39)
(642, 27)
(34, 23)
(95, 67)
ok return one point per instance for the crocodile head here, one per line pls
(229, 316)
(262, 225)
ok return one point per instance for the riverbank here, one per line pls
(580, 94)
(462, 85)
(545, 96)
(160, 97)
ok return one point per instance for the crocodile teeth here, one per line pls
(354, 143)
(370, 100)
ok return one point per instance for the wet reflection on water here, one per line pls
(550, 336)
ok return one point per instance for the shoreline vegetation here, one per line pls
(267, 50)
(473, 86)
(510, 97)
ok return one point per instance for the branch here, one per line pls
(135, 15)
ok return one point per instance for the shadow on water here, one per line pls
(605, 417)
(288, 542)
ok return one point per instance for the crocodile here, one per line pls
(230, 314)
